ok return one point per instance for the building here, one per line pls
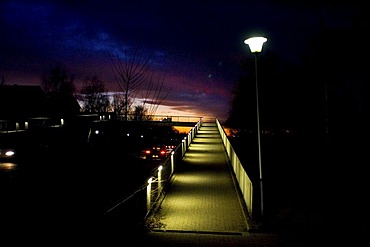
(22, 104)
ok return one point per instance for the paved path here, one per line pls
(202, 206)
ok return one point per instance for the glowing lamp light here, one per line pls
(9, 153)
(255, 43)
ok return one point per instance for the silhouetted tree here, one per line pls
(140, 112)
(60, 90)
(273, 96)
(94, 95)
(154, 95)
(118, 104)
(131, 74)
(58, 82)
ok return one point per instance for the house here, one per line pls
(20, 103)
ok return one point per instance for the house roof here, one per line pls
(25, 101)
(21, 101)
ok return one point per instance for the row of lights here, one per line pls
(159, 180)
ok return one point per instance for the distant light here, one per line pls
(255, 43)
(96, 132)
(9, 153)
(128, 134)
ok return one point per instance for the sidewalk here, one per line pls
(202, 206)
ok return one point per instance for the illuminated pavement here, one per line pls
(202, 206)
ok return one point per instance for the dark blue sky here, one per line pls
(197, 45)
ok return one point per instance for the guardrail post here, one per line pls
(172, 163)
(160, 187)
(149, 194)
(183, 146)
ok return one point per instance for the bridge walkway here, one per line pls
(203, 206)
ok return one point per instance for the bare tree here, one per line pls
(118, 104)
(60, 90)
(94, 95)
(154, 95)
(140, 112)
(130, 74)
(58, 82)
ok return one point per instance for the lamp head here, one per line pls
(255, 43)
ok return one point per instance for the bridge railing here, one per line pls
(244, 182)
(156, 118)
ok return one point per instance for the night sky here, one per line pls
(198, 46)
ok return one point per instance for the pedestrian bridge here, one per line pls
(185, 121)
(200, 187)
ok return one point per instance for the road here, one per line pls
(68, 188)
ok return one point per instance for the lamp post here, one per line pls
(255, 45)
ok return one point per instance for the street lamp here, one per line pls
(255, 45)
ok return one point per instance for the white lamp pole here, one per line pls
(255, 45)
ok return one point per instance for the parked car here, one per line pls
(7, 154)
(7, 159)
(12, 146)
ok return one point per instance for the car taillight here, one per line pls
(147, 151)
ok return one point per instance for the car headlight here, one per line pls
(9, 153)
